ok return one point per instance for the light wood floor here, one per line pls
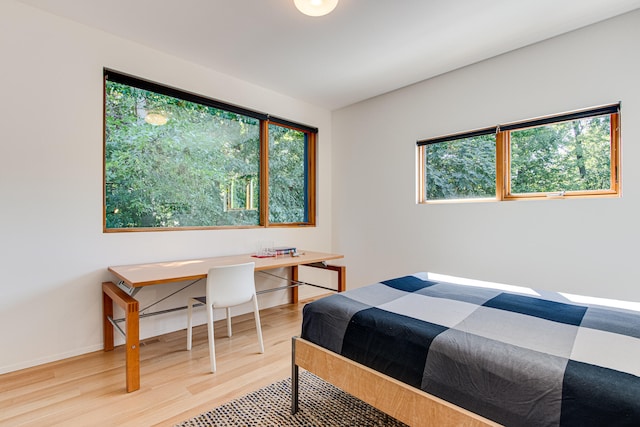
(89, 390)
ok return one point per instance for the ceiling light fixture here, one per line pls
(315, 7)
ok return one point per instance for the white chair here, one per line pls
(226, 286)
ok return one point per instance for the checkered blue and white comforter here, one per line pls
(514, 355)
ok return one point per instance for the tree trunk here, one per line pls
(577, 130)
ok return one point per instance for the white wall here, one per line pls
(587, 246)
(54, 253)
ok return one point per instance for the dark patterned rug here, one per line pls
(321, 404)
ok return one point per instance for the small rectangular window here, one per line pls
(567, 155)
(563, 157)
(460, 167)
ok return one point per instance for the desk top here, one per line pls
(138, 275)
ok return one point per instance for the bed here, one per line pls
(439, 350)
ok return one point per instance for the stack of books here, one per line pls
(283, 250)
(275, 252)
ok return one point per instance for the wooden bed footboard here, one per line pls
(408, 404)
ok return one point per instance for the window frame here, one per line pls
(310, 167)
(503, 158)
(263, 162)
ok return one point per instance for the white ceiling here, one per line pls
(362, 49)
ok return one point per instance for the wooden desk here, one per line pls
(134, 277)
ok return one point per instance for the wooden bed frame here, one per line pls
(408, 404)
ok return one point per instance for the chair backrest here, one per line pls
(230, 285)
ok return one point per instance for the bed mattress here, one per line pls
(515, 355)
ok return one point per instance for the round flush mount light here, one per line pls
(315, 7)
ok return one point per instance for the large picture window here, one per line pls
(568, 155)
(174, 160)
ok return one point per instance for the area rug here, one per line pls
(320, 403)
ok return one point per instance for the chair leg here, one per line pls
(256, 313)
(212, 348)
(189, 324)
(229, 321)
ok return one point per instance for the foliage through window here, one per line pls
(178, 160)
(573, 154)
(461, 168)
(567, 156)
(288, 171)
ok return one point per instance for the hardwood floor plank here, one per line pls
(176, 384)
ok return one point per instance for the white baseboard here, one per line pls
(48, 359)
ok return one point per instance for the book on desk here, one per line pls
(276, 251)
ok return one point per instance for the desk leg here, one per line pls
(294, 289)
(340, 269)
(133, 349)
(342, 276)
(113, 294)
(107, 327)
